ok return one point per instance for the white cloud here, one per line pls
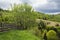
(36, 3)
(5, 4)
(11, 1)
(44, 5)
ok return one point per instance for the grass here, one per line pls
(18, 35)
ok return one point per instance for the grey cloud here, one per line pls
(52, 6)
(58, 1)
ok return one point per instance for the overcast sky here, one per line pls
(47, 6)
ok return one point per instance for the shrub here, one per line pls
(41, 25)
(51, 35)
(57, 25)
(45, 18)
(58, 34)
(52, 28)
(48, 23)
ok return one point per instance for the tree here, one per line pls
(1, 9)
(24, 16)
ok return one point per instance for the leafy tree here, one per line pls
(24, 16)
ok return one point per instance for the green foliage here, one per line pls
(21, 15)
(58, 33)
(52, 28)
(24, 16)
(41, 25)
(49, 17)
(51, 35)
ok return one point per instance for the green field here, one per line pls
(18, 35)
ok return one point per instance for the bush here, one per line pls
(57, 25)
(45, 18)
(51, 35)
(48, 23)
(41, 25)
(58, 34)
(52, 28)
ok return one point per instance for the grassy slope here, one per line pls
(18, 35)
(55, 18)
(51, 17)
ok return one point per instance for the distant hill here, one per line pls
(52, 17)
(55, 17)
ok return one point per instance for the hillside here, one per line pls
(52, 17)
(51, 23)
(20, 24)
(55, 18)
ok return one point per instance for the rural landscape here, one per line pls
(22, 22)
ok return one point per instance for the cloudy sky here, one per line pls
(47, 6)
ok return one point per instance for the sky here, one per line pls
(46, 6)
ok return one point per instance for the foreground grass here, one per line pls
(18, 35)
